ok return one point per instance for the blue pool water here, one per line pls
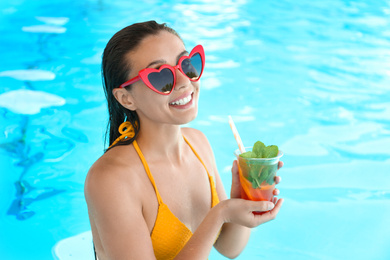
(312, 77)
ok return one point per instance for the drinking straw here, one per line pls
(236, 135)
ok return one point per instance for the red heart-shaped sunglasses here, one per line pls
(163, 79)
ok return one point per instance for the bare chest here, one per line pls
(185, 190)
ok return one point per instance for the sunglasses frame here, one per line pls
(143, 74)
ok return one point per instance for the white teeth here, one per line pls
(182, 101)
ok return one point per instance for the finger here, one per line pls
(276, 192)
(270, 215)
(235, 177)
(236, 189)
(274, 200)
(277, 179)
(276, 209)
(235, 166)
(280, 164)
(260, 205)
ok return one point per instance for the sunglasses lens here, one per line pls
(192, 67)
(162, 81)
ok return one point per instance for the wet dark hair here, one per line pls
(116, 70)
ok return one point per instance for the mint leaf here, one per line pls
(271, 178)
(272, 173)
(270, 151)
(247, 155)
(256, 171)
(256, 184)
(263, 174)
(259, 173)
(257, 149)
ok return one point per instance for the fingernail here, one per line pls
(271, 206)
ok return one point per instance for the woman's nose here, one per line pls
(181, 79)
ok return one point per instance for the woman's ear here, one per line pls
(125, 98)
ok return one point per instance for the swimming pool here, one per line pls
(312, 77)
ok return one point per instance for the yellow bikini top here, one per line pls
(169, 234)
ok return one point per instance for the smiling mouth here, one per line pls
(183, 101)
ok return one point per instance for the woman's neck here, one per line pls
(161, 142)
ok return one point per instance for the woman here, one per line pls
(156, 192)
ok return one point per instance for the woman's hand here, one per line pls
(239, 215)
(241, 212)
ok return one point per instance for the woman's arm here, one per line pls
(235, 235)
(115, 210)
(237, 217)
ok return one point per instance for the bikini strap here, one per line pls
(197, 155)
(214, 194)
(141, 156)
(143, 160)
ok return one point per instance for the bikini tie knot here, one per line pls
(126, 130)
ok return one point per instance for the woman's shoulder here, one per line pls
(114, 161)
(117, 170)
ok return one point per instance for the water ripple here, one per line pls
(33, 101)
(323, 195)
(30, 74)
